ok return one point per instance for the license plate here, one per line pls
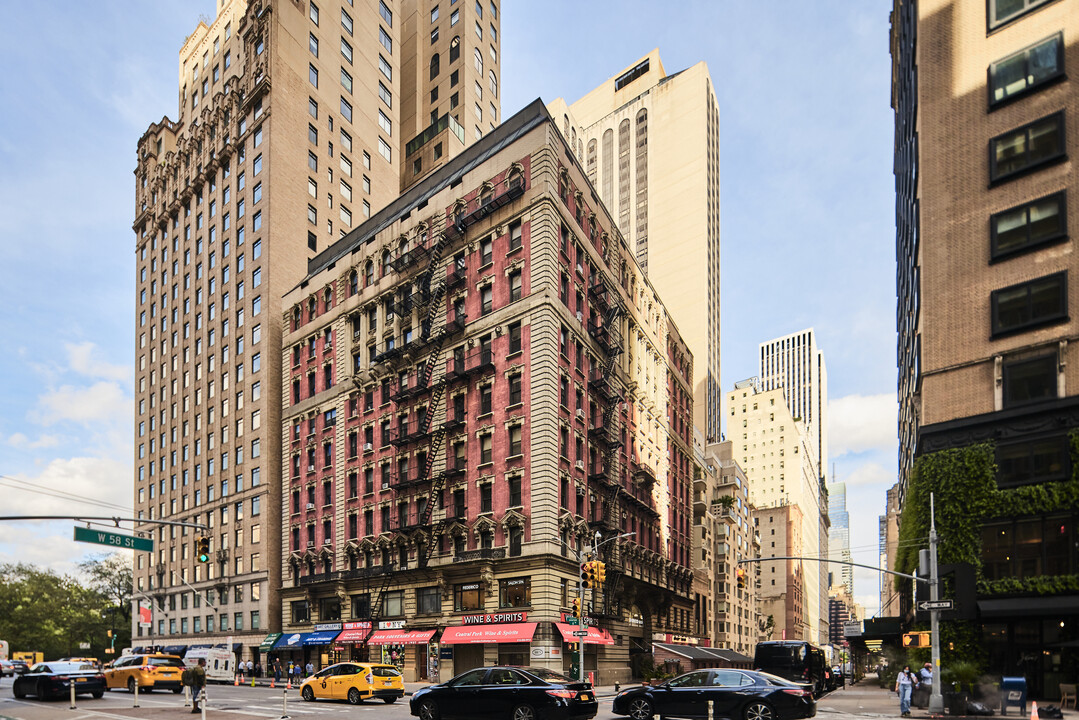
(585, 698)
(80, 679)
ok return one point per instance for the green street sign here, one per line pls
(102, 537)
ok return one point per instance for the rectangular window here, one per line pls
(1027, 148)
(428, 601)
(346, 109)
(384, 11)
(1030, 304)
(346, 50)
(312, 75)
(1029, 226)
(384, 150)
(1032, 461)
(312, 108)
(384, 123)
(515, 593)
(1030, 381)
(1002, 11)
(1020, 73)
(346, 22)
(385, 68)
(385, 94)
(386, 40)
(346, 81)
(312, 44)
(467, 597)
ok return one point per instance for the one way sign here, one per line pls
(935, 605)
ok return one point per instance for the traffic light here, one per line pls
(588, 574)
(202, 548)
(108, 633)
(916, 639)
(577, 608)
(740, 576)
(600, 572)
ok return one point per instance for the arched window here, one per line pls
(369, 274)
(455, 49)
(353, 283)
(385, 263)
(479, 61)
(434, 66)
(493, 82)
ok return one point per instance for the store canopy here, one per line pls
(267, 644)
(174, 650)
(353, 636)
(595, 636)
(495, 633)
(401, 637)
(290, 640)
(236, 647)
(323, 637)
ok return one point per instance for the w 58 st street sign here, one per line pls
(116, 540)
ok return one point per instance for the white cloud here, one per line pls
(65, 487)
(22, 442)
(857, 423)
(871, 473)
(102, 402)
(85, 359)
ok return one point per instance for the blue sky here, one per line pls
(807, 216)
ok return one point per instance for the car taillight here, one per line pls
(795, 691)
(563, 693)
(62, 677)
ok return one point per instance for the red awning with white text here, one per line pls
(595, 636)
(401, 637)
(495, 633)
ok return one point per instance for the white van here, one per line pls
(220, 663)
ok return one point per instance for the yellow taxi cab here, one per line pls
(150, 672)
(355, 682)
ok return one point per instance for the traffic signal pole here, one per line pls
(580, 621)
(936, 699)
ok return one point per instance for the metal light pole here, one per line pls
(580, 595)
(936, 699)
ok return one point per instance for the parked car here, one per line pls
(354, 682)
(514, 693)
(149, 672)
(21, 666)
(54, 679)
(7, 668)
(738, 694)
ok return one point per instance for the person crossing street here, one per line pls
(905, 683)
(198, 684)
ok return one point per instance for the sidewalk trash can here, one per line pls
(1013, 693)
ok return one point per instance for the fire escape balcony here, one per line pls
(411, 260)
(477, 361)
(410, 432)
(644, 475)
(607, 435)
(456, 276)
(602, 474)
(603, 386)
(600, 291)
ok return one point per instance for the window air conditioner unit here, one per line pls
(580, 413)
(310, 468)
(580, 316)
(368, 447)
(580, 464)
(310, 506)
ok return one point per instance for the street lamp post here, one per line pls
(580, 593)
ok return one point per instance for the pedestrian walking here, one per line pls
(277, 670)
(198, 683)
(905, 683)
(310, 669)
(258, 670)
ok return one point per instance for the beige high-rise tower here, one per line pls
(649, 143)
(292, 130)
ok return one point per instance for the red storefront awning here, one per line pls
(401, 637)
(595, 636)
(494, 633)
(352, 636)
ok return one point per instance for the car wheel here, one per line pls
(759, 711)
(428, 710)
(640, 708)
(40, 692)
(354, 696)
(17, 691)
(307, 693)
(523, 712)
(389, 700)
(131, 685)
(178, 690)
(97, 695)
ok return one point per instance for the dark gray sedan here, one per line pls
(734, 694)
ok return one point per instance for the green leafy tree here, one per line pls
(112, 577)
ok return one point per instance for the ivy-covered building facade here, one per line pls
(988, 380)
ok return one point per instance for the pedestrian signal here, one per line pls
(916, 639)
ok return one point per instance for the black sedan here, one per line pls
(513, 693)
(735, 694)
(54, 679)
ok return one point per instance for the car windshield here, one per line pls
(165, 662)
(775, 679)
(63, 667)
(548, 675)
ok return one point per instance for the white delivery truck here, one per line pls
(220, 663)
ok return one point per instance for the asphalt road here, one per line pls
(236, 703)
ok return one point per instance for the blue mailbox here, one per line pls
(1013, 693)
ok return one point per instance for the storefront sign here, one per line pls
(497, 633)
(660, 637)
(545, 652)
(391, 624)
(357, 625)
(470, 586)
(507, 617)
(327, 626)
(683, 640)
(446, 652)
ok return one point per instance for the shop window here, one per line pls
(300, 612)
(428, 601)
(515, 593)
(467, 597)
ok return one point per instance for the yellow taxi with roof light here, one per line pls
(355, 682)
(149, 672)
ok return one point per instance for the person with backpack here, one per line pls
(905, 683)
(198, 683)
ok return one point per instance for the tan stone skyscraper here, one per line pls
(289, 134)
(649, 143)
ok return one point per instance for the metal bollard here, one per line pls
(710, 709)
(136, 693)
(284, 704)
(71, 684)
(187, 696)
